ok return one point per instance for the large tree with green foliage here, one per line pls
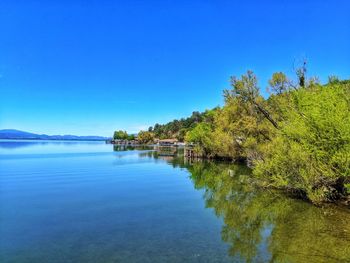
(145, 137)
(120, 135)
(297, 139)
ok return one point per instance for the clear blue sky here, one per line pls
(90, 67)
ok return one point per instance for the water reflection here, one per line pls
(97, 206)
(174, 156)
(264, 225)
(121, 148)
(290, 230)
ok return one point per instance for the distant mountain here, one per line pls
(16, 134)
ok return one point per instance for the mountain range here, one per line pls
(22, 135)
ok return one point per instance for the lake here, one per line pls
(92, 202)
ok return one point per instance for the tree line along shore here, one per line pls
(297, 139)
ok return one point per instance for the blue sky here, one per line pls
(90, 67)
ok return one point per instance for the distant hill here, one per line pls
(22, 135)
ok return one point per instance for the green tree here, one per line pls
(247, 90)
(296, 139)
(120, 135)
(131, 137)
(145, 137)
(279, 83)
(201, 137)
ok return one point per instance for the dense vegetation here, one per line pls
(123, 135)
(297, 139)
(143, 137)
(178, 128)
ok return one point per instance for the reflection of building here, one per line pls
(124, 142)
(166, 150)
(168, 142)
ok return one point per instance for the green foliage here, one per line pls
(245, 89)
(120, 135)
(333, 79)
(123, 135)
(145, 137)
(131, 137)
(178, 128)
(347, 188)
(311, 153)
(201, 136)
(297, 139)
(279, 83)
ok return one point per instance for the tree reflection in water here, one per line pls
(291, 230)
(262, 225)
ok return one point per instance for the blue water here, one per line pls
(85, 202)
(82, 202)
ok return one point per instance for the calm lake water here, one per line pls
(89, 202)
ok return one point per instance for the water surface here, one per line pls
(90, 202)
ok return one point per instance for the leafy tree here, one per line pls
(131, 137)
(298, 139)
(247, 90)
(279, 83)
(201, 136)
(120, 135)
(145, 137)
